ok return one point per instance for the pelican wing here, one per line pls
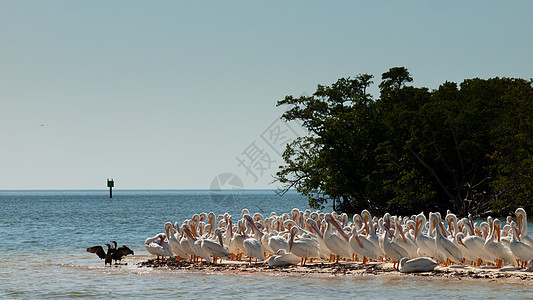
(253, 248)
(278, 242)
(215, 249)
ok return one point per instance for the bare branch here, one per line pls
(433, 173)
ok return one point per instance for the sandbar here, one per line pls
(506, 274)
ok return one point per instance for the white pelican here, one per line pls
(253, 248)
(157, 246)
(391, 249)
(282, 258)
(252, 245)
(196, 245)
(432, 228)
(470, 247)
(453, 227)
(338, 245)
(357, 221)
(484, 229)
(236, 245)
(214, 248)
(521, 221)
(420, 264)
(475, 244)
(496, 248)
(323, 249)
(425, 243)
(371, 231)
(519, 249)
(303, 247)
(174, 243)
(446, 247)
(266, 236)
(402, 240)
(184, 242)
(410, 230)
(278, 242)
(362, 246)
(295, 215)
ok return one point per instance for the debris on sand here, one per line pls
(322, 269)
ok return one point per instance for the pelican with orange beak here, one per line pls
(338, 243)
(303, 247)
(252, 245)
(521, 218)
(362, 246)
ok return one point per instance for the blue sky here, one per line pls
(170, 94)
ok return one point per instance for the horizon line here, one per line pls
(144, 189)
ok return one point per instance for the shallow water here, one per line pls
(44, 234)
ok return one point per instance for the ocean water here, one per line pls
(44, 234)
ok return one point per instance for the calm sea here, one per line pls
(44, 234)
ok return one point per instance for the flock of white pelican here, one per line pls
(301, 236)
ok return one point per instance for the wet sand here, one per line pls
(507, 274)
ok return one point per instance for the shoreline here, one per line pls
(326, 269)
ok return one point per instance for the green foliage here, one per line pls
(513, 148)
(466, 148)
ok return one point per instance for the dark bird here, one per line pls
(113, 253)
(121, 252)
(99, 250)
(114, 247)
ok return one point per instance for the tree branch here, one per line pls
(433, 173)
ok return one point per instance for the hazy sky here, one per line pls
(170, 94)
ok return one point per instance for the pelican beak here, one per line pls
(417, 225)
(189, 233)
(442, 227)
(401, 233)
(230, 228)
(251, 222)
(519, 220)
(460, 241)
(358, 240)
(314, 229)
(167, 230)
(220, 238)
(339, 229)
(291, 241)
(193, 230)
